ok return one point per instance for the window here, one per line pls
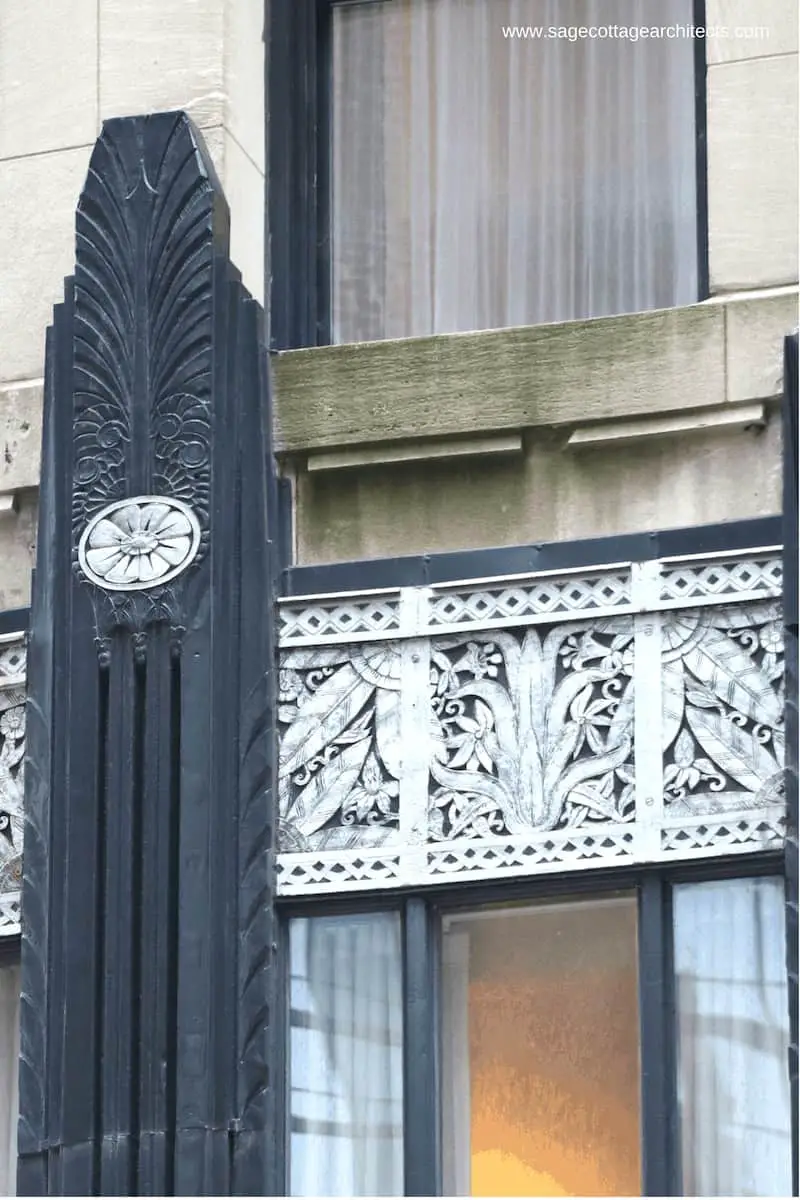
(345, 1054)
(539, 1018)
(553, 1061)
(733, 1032)
(433, 174)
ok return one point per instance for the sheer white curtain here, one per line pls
(9, 1092)
(346, 1056)
(733, 1022)
(481, 181)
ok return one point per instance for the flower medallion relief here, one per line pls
(139, 543)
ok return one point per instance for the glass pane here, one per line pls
(730, 966)
(9, 1091)
(484, 181)
(540, 1050)
(346, 1056)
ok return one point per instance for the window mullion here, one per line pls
(660, 1173)
(421, 1120)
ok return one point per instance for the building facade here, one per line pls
(492, 888)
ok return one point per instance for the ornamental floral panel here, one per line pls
(532, 731)
(12, 750)
(508, 728)
(722, 715)
(632, 715)
(341, 753)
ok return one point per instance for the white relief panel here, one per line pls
(722, 709)
(482, 730)
(517, 601)
(512, 750)
(12, 750)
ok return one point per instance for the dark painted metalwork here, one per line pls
(424, 569)
(9, 951)
(701, 148)
(450, 566)
(147, 957)
(14, 620)
(790, 617)
(659, 1133)
(298, 157)
(420, 1099)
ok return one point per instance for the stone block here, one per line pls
(48, 76)
(753, 173)
(157, 55)
(38, 195)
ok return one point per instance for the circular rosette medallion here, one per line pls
(138, 543)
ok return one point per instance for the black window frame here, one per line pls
(298, 35)
(421, 912)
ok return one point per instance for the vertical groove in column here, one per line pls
(138, 901)
(173, 910)
(100, 929)
(118, 1008)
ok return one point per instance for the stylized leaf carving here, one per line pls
(622, 722)
(556, 707)
(352, 837)
(672, 700)
(323, 717)
(537, 733)
(388, 731)
(472, 811)
(589, 768)
(724, 668)
(316, 658)
(734, 749)
(328, 790)
(480, 785)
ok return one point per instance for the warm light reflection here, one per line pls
(493, 1169)
(553, 1054)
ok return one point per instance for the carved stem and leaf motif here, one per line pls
(533, 731)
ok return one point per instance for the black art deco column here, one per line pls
(147, 936)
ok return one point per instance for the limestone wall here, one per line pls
(378, 438)
(64, 67)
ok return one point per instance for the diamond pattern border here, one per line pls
(601, 592)
(722, 580)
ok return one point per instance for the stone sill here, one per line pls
(724, 351)
(471, 395)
